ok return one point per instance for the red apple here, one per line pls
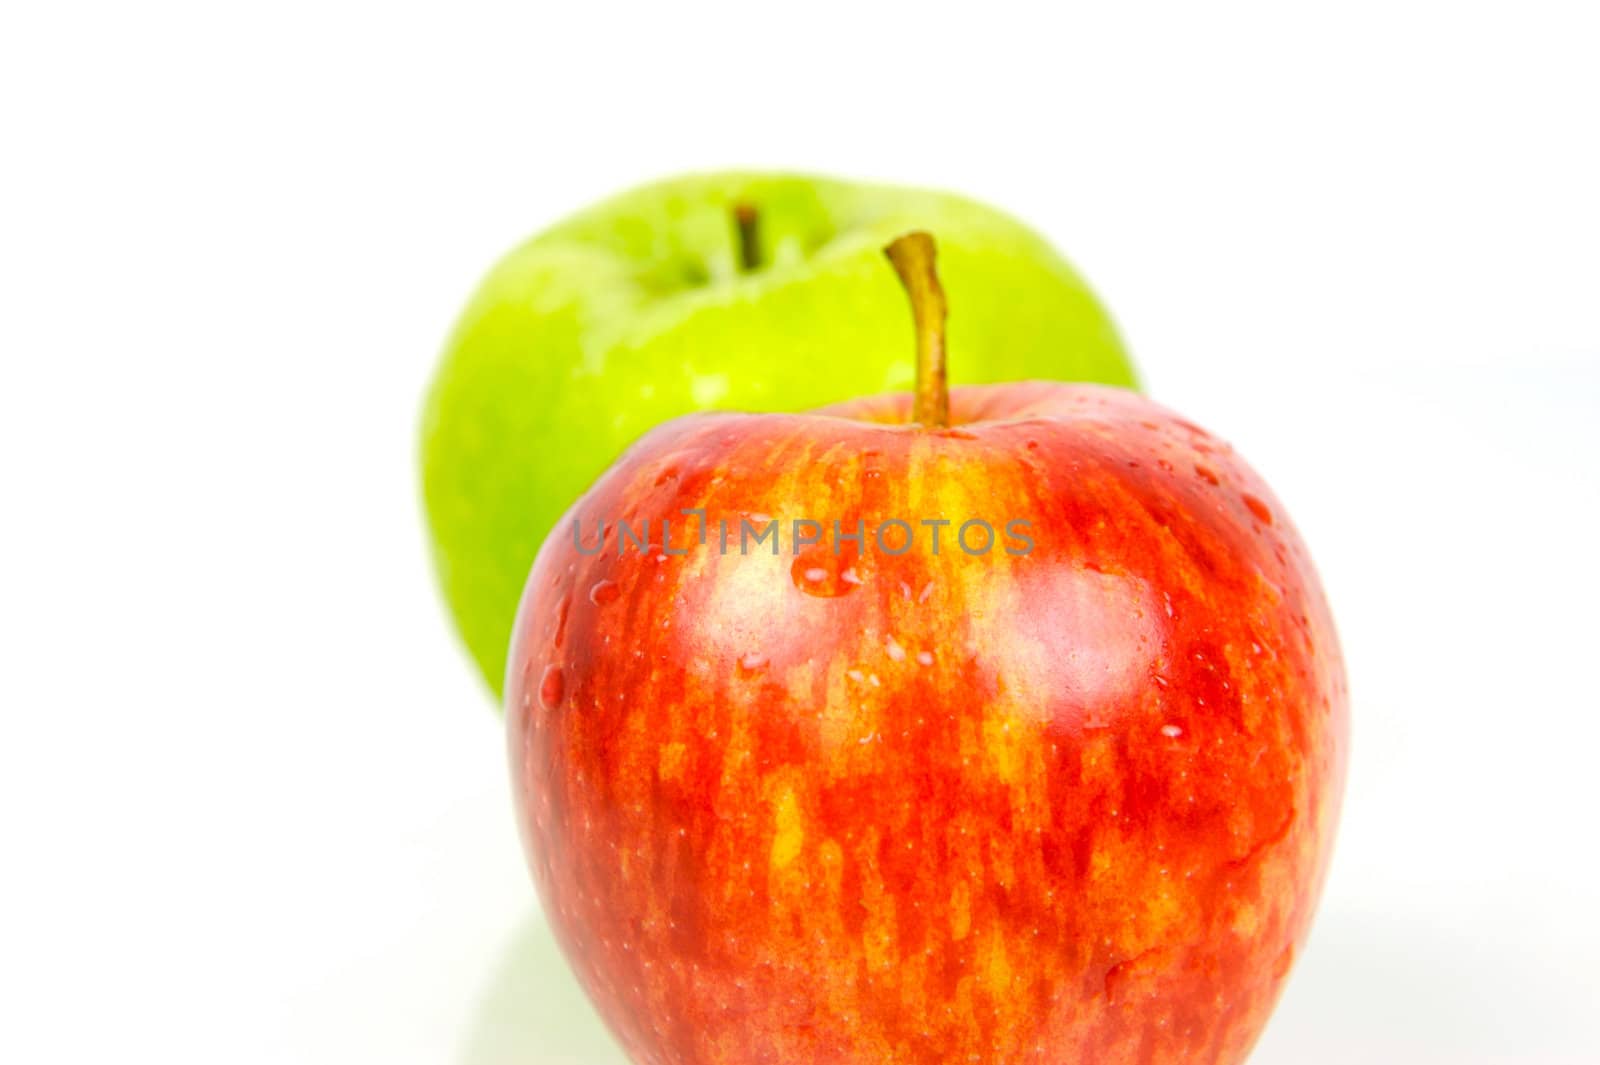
(1069, 799)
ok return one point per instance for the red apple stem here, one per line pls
(748, 222)
(913, 257)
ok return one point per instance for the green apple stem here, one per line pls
(913, 257)
(748, 222)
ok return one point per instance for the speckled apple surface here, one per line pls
(1074, 805)
(638, 310)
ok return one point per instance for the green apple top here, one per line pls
(733, 291)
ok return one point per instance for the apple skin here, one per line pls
(1069, 806)
(636, 311)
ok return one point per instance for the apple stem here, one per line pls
(748, 222)
(913, 256)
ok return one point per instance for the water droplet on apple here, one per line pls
(896, 652)
(1258, 508)
(1172, 732)
(753, 661)
(552, 687)
(1206, 474)
(561, 621)
(603, 592)
(821, 574)
(925, 658)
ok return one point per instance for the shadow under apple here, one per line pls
(1411, 989)
(533, 1012)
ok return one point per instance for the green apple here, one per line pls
(739, 291)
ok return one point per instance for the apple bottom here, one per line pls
(917, 931)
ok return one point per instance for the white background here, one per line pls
(253, 804)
